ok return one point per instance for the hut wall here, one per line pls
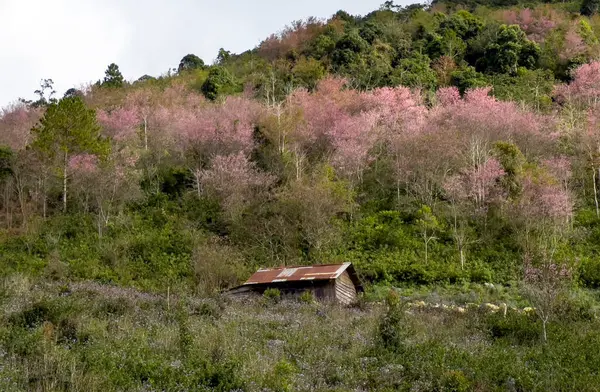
(345, 291)
(324, 291)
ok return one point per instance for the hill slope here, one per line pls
(439, 150)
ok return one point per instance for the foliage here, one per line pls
(450, 152)
(272, 295)
(510, 50)
(589, 7)
(113, 77)
(190, 62)
(68, 128)
(219, 82)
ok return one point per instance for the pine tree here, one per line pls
(590, 7)
(68, 128)
(113, 76)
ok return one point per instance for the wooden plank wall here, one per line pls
(345, 291)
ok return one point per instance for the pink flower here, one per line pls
(84, 163)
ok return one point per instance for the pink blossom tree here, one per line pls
(544, 287)
(321, 111)
(105, 187)
(471, 190)
(119, 124)
(16, 122)
(573, 46)
(589, 144)
(541, 215)
(401, 120)
(138, 112)
(537, 23)
(233, 180)
(584, 90)
(352, 139)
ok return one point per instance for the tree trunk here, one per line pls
(398, 193)
(297, 164)
(545, 335)
(595, 192)
(145, 133)
(7, 203)
(21, 198)
(462, 258)
(197, 176)
(66, 163)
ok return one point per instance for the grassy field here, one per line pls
(91, 337)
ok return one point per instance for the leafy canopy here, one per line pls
(69, 127)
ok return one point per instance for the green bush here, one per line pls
(456, 381)
(307, 297)
(589, 273)
(36, 314)
(393, 328)
(272, 295)
(515, 328)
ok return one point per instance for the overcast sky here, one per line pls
(73, 41)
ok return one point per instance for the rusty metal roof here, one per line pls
(296, 274)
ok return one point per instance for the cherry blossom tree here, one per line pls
(321, 111)
(537, 23)
(16, 122)
(105, 187)
(589, 144)
(574, 45)
(138, 112)
(541, 215)
(352, 139)
(119, 124)
(233, 180)
(402, 120)
(471, 190)
(584, 90)
(544, 287)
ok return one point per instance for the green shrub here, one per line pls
(516, 328)
(113, 306)
(35, 315)
(480, 274)
(393, 329)
(307, 297)
(209, 310)
(577, 305)
(272, 295)
(217, 266)
(456, 381)
(280, 378)
(589, 273)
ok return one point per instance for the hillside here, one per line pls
(451, 152)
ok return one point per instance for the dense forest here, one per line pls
(452, 147)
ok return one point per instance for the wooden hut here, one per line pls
(334, 282)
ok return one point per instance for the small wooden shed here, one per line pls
(334, 282)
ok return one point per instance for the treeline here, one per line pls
(518, 51)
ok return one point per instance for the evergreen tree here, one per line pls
(6, 157)
(590, 7)
(113, 77)
(45, 93)
(190, 62)
(68, 128)
(219, 82)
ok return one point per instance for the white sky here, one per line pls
(73, 41)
